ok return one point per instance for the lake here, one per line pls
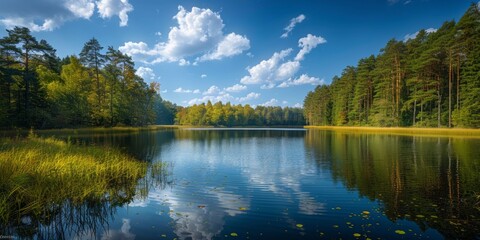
(289, 184)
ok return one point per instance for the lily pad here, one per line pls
(366, 212)
(420, 216)
(299, 225)
(401, 232)
(234, 234)
(242, 208)
(357, 235)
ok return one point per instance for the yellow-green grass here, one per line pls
(38, 174)
(89, 130)
(446, 132)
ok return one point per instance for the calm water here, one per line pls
(295, 184)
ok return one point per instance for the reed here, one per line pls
(447, 132)
(39, 174)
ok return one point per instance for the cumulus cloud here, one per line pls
(81, 8)
(231, 45)
(183, 62)
(266, 70)
(199, 33)
(110, 8)
(47, 15)
(203, 75)
(307, 44)
(278, 68)
(414, 35)
(293, 23)
(145, 73)
(269, 103)
(302, 80)
(249, 97)
(236, 88)
(212, 90)
(298, 105)
(225, 97)
(181, 90)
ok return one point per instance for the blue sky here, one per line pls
(255, 52)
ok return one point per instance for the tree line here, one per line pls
(220, 114)
(432, 80)
(95, 88)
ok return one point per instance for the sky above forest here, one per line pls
(255, 52)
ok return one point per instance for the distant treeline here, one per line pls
(432, 80)
(97, 88)
(220, 114)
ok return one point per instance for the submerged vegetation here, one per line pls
(40, 176)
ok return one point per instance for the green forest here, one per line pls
(220, 114)
(97, 88)
(432, 80)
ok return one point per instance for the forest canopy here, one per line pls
(98, 87)
(432, 80)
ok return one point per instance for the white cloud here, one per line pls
(158, 34)
(110, 8)
(47, 15)
(47, 25)
(292, 24)
(236, 88)
(265, 71)
(203, 75)
(298, 105)
(302, 80)
(249, 96)
(274, 69)
(287, 70)
(269, 103)
(307, 44)
(231, 45)
(183, 62)
(199, 33)
(181, 90)
(225, 97)
(81, 8)
(414, 35)
(212, 90)
(267, 86)
(145, 73)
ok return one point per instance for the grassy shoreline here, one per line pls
(38, 174)
(448, 132)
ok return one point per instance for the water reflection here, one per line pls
(431, 181)
(219, 173)
(262, 184)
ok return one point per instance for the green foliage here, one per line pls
(220, 114)
(39, 90)
(39, 177)
(432, 80)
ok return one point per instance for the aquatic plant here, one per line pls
(39, 176)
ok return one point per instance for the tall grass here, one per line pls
(38, 175)
(450, 132)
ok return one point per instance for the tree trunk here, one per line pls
(438, 102)
(450, 90)
(27, 85)
(458, 82)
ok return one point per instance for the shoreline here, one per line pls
(411, 131)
